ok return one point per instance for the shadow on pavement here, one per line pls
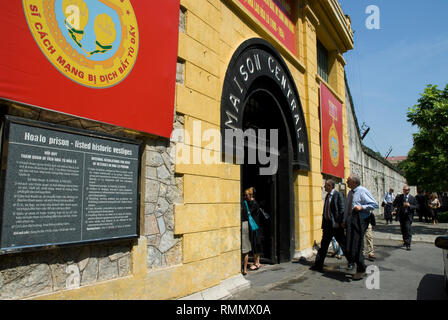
(331, 270)
(304, 262)
(420, 228)
(431, 288)
(338, 275)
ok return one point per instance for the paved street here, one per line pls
(403, 275)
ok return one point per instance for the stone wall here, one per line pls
(377, 174)
(378, 178)
(163, 190)
(24, 275)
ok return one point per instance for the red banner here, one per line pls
(112, 61)
(276, 16)
(331, 133)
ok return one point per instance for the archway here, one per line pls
(259, 93)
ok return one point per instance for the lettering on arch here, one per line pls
(256, 58)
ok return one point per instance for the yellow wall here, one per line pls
(208, 221)
(214, 31)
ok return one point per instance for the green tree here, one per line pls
(427, 163)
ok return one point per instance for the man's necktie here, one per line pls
(327, 207)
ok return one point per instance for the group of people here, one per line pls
(347, 221)
(428, 206)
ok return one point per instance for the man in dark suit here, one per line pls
(422, 206)
(332, 218)
(405, 205)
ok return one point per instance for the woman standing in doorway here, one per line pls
(245, 237)
(254, 235)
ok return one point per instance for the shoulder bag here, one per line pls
(252, 223)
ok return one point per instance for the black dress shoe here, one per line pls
(408, 248)
(358, 276)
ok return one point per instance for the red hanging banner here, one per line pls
(276, 16)
(112, 61)
(331, 133)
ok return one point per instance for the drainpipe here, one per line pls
(362, 166)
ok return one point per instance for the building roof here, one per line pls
(396, 158)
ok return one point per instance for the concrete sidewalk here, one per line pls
(405, 275)
(271, 275)
(421, 231)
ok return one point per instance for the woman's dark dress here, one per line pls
(254, 236)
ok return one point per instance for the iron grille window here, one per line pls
(322, 61)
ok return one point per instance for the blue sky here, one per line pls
(389, 68)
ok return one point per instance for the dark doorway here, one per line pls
(274, 192)
(259, 92)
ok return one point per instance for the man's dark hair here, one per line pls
(355, 178)
(331, 182)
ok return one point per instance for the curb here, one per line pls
(415, 238)
(225, 290)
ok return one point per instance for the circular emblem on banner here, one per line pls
(333, 144)
(92, 42)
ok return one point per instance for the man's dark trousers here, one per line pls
(405, 225)
(406, 216)
(421, 199)
(328, 233)
(356, 229)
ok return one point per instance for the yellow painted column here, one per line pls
(309, 184)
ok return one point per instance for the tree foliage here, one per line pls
(427, 162)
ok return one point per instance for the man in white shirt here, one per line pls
(388, 200)
(359, 205)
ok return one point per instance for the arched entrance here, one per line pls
(273, 191)
(259, 93)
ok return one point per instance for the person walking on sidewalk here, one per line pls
(359, 205)
(388, 199)
(444, 202)
(332, 217)
(406, 205)
(369, 250)
(428, 217)
(422, 206)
